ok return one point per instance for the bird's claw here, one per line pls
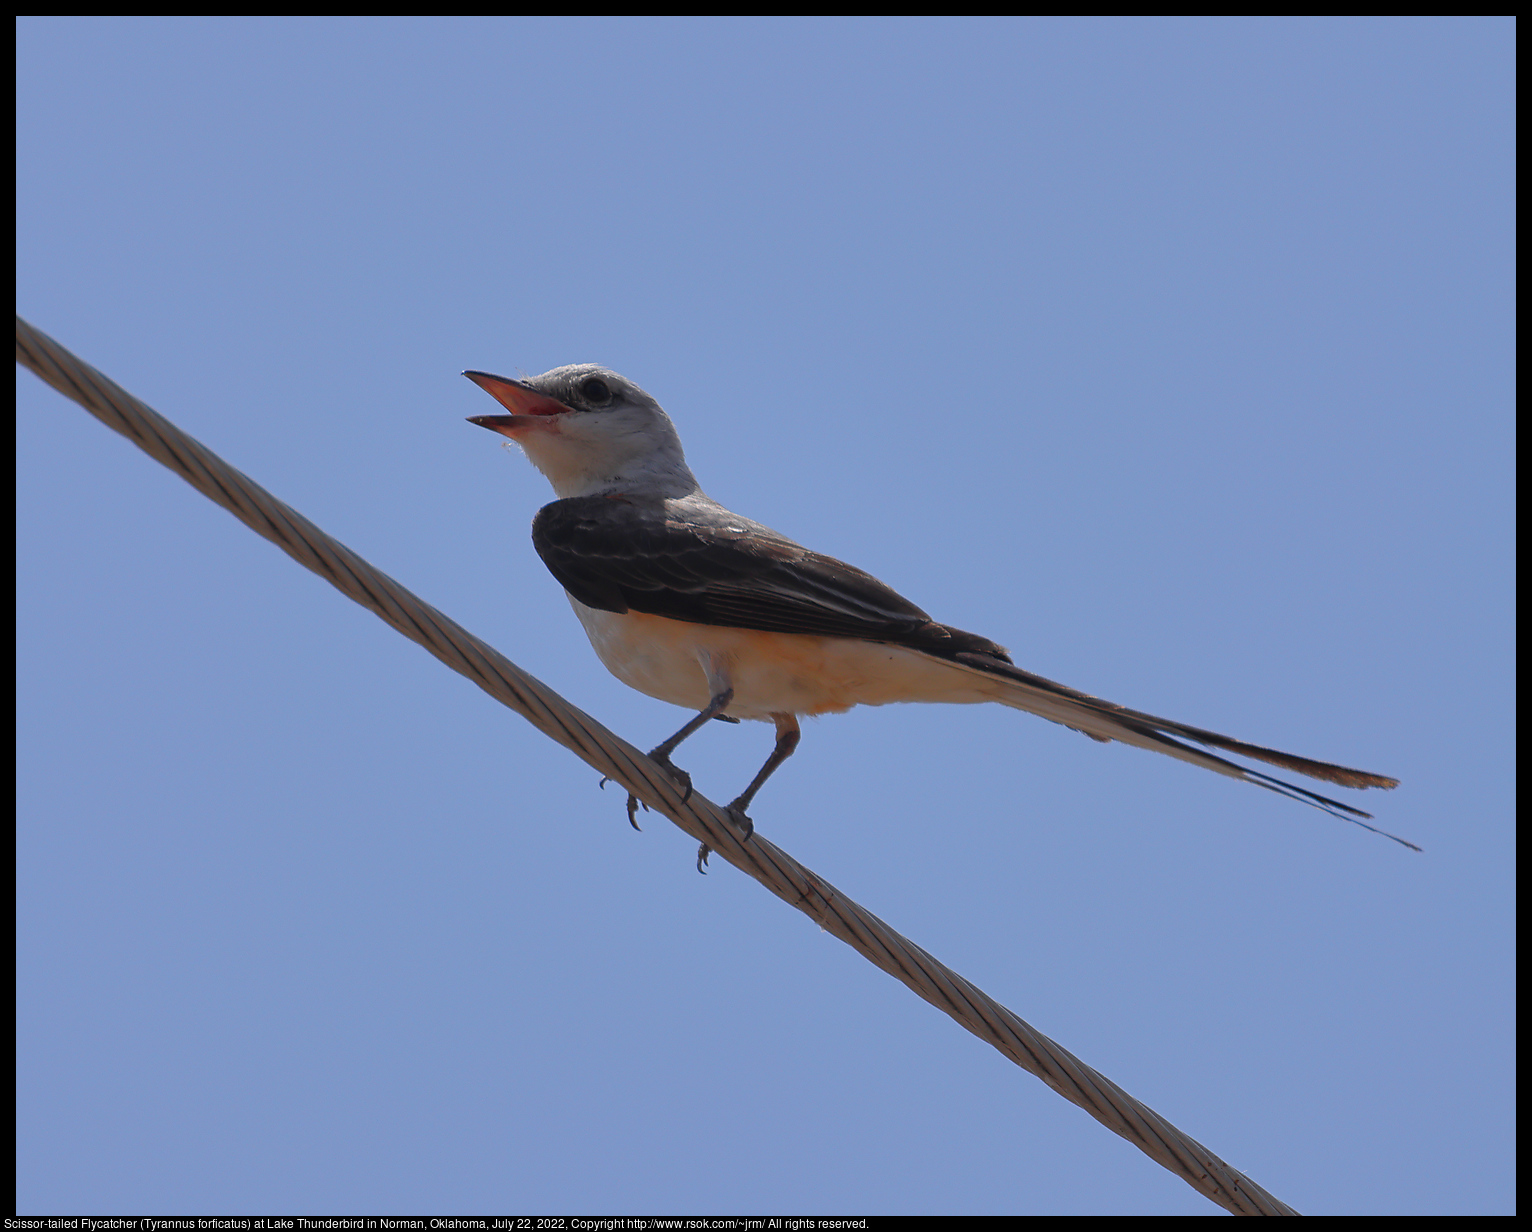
(633, 803)
(738, 816)
(677, 775)
(735, 811)
(741, 819)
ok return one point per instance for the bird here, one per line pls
(693, 604)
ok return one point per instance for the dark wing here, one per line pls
(619, 555)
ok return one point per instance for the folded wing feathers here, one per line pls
(621, 555)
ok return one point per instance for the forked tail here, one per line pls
(1105, 721)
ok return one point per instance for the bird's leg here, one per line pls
(661, 752)
(788, 735)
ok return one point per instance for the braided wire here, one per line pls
(622, 762)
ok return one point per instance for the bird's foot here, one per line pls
(677, 775)
(633, 803)
(741, 819)
(738, 816)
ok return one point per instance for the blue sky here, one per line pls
(1174, 354)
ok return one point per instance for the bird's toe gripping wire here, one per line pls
(677, 775)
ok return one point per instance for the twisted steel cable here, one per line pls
(623, 763)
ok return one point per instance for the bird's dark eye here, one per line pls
(595, 391)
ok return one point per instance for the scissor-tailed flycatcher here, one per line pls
(697, 606)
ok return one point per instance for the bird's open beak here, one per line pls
(527, 407)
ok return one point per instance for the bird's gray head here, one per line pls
(590, 431)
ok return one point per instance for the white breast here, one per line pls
(771, 673)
